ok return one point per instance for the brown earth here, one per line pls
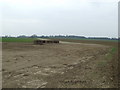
(64, 65)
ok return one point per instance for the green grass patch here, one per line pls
(17, 39)
(111, 53)
(102, 63)
(0, 39)
(108, 57)
(113, 50)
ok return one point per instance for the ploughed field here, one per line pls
(63, 65)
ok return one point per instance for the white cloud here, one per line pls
(21, 21)
(36, 4)
(50, 2)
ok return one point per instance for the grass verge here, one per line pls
(17, 39)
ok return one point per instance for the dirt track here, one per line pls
(26, 65)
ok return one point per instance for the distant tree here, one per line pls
(34, 36)
(22, 36)
(6, 36)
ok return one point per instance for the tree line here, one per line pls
(61, 36)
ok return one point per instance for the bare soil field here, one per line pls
(64, 65)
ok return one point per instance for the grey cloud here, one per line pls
(89, 19)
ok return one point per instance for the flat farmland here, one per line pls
(17, 39)
(63, 65)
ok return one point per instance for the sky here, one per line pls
(59, 17)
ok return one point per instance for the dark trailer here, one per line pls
(41, 42)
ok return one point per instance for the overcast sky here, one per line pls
(59, 17)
